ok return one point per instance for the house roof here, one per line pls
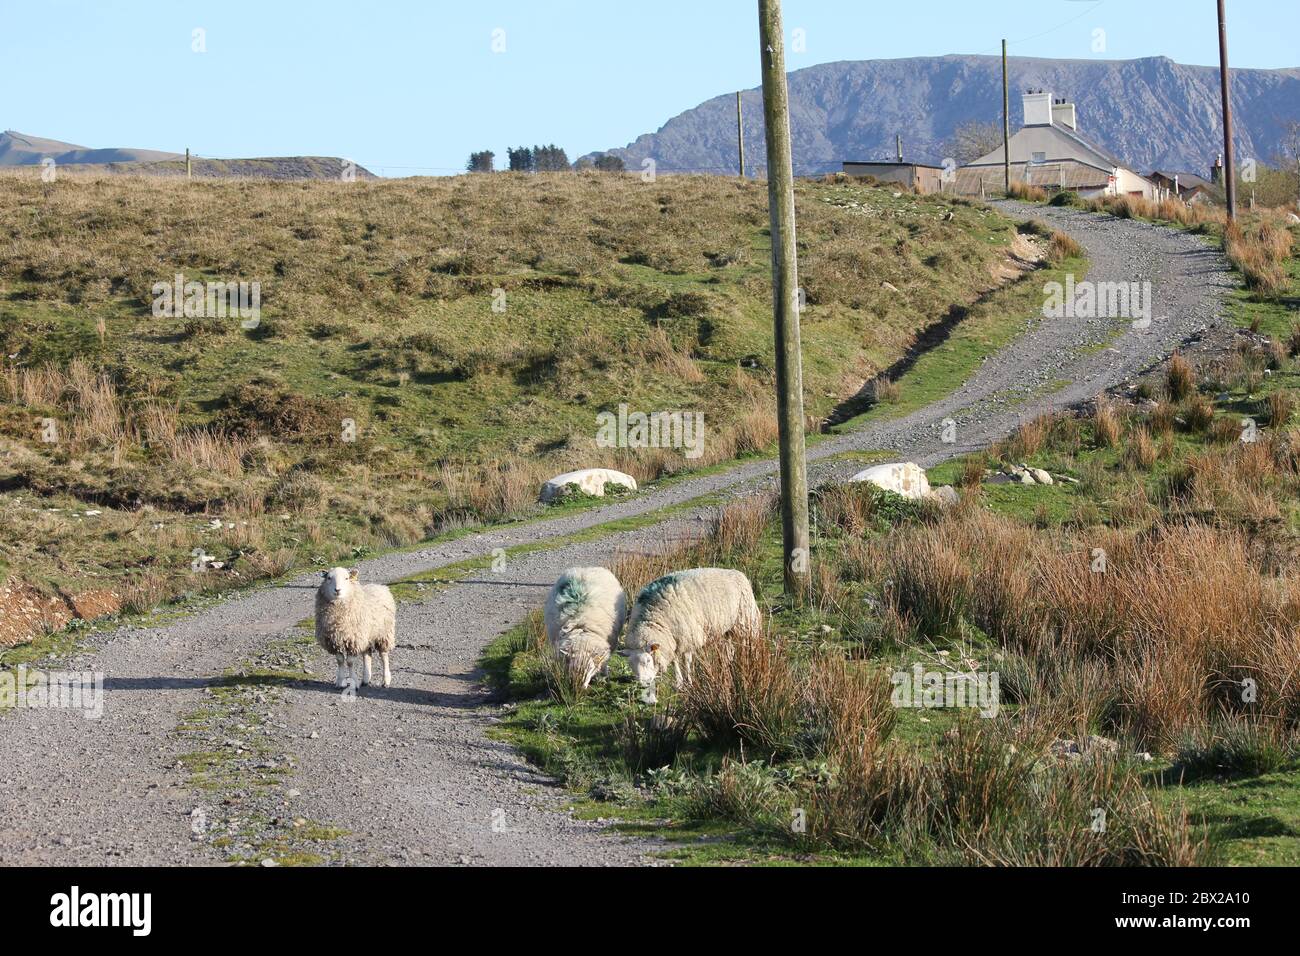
(1185, 180)
(1065, 175)
(882, 162)
(1057, 144)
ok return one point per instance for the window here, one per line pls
(1039, 158)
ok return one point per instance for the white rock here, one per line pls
(1040, 476)
(592, 481)
(1292, 218)
(903, 478)
(889, 287)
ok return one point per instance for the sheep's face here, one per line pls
(643, 668)
(338, 583)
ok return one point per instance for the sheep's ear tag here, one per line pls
(353, 574)
(653, 648)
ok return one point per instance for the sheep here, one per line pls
(354, 620)
(584, 616)
(675, 616)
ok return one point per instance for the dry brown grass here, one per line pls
(1026, 192)
(1139, 449)
(1260, 250)
(1107, 426)
(1178, 616)
(1063, 247)
(1198, 413)
(1180, 378)
(1281, 408)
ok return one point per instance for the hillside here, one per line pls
(1153, 112)
(19, 149)
(267, 167)
(377, 308)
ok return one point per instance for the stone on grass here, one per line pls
(945, 495)
(590, 481)
(904, 478)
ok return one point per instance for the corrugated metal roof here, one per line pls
(1067, 175)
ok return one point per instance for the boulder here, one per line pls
(591, 481)
(904, 478)
(945, 495)
(1040, 476)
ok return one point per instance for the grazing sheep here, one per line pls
(352, 621)
(675, 616)
(584, 615)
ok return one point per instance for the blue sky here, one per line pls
(412, 86)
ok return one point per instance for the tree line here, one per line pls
(540, 159)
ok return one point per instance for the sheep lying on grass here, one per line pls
(676, 616)
(354, 620)
(584, 615)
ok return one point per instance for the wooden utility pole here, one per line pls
(1006, 123)
(1229, 166)
(785, 300)
(740, 135)
(187, 162)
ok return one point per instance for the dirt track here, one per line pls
(409, 772)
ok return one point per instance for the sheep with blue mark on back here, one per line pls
(584, 615)
(678, 615)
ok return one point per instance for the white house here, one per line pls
(1049, 152)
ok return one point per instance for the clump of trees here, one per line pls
(540, 159)
(481, 162)
(973, 139)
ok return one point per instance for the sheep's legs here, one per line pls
(369, 676)
(388, 675)
(341, 679)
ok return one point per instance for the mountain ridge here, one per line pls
(1152, 112)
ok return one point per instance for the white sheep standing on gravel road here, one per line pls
(676, 616)
(354, 620)
(584, 616)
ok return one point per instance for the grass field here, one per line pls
(470, 329)
(1170, 666)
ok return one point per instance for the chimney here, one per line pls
(1063, 115)
(1038, 108)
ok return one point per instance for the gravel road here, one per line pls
(409, 772)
